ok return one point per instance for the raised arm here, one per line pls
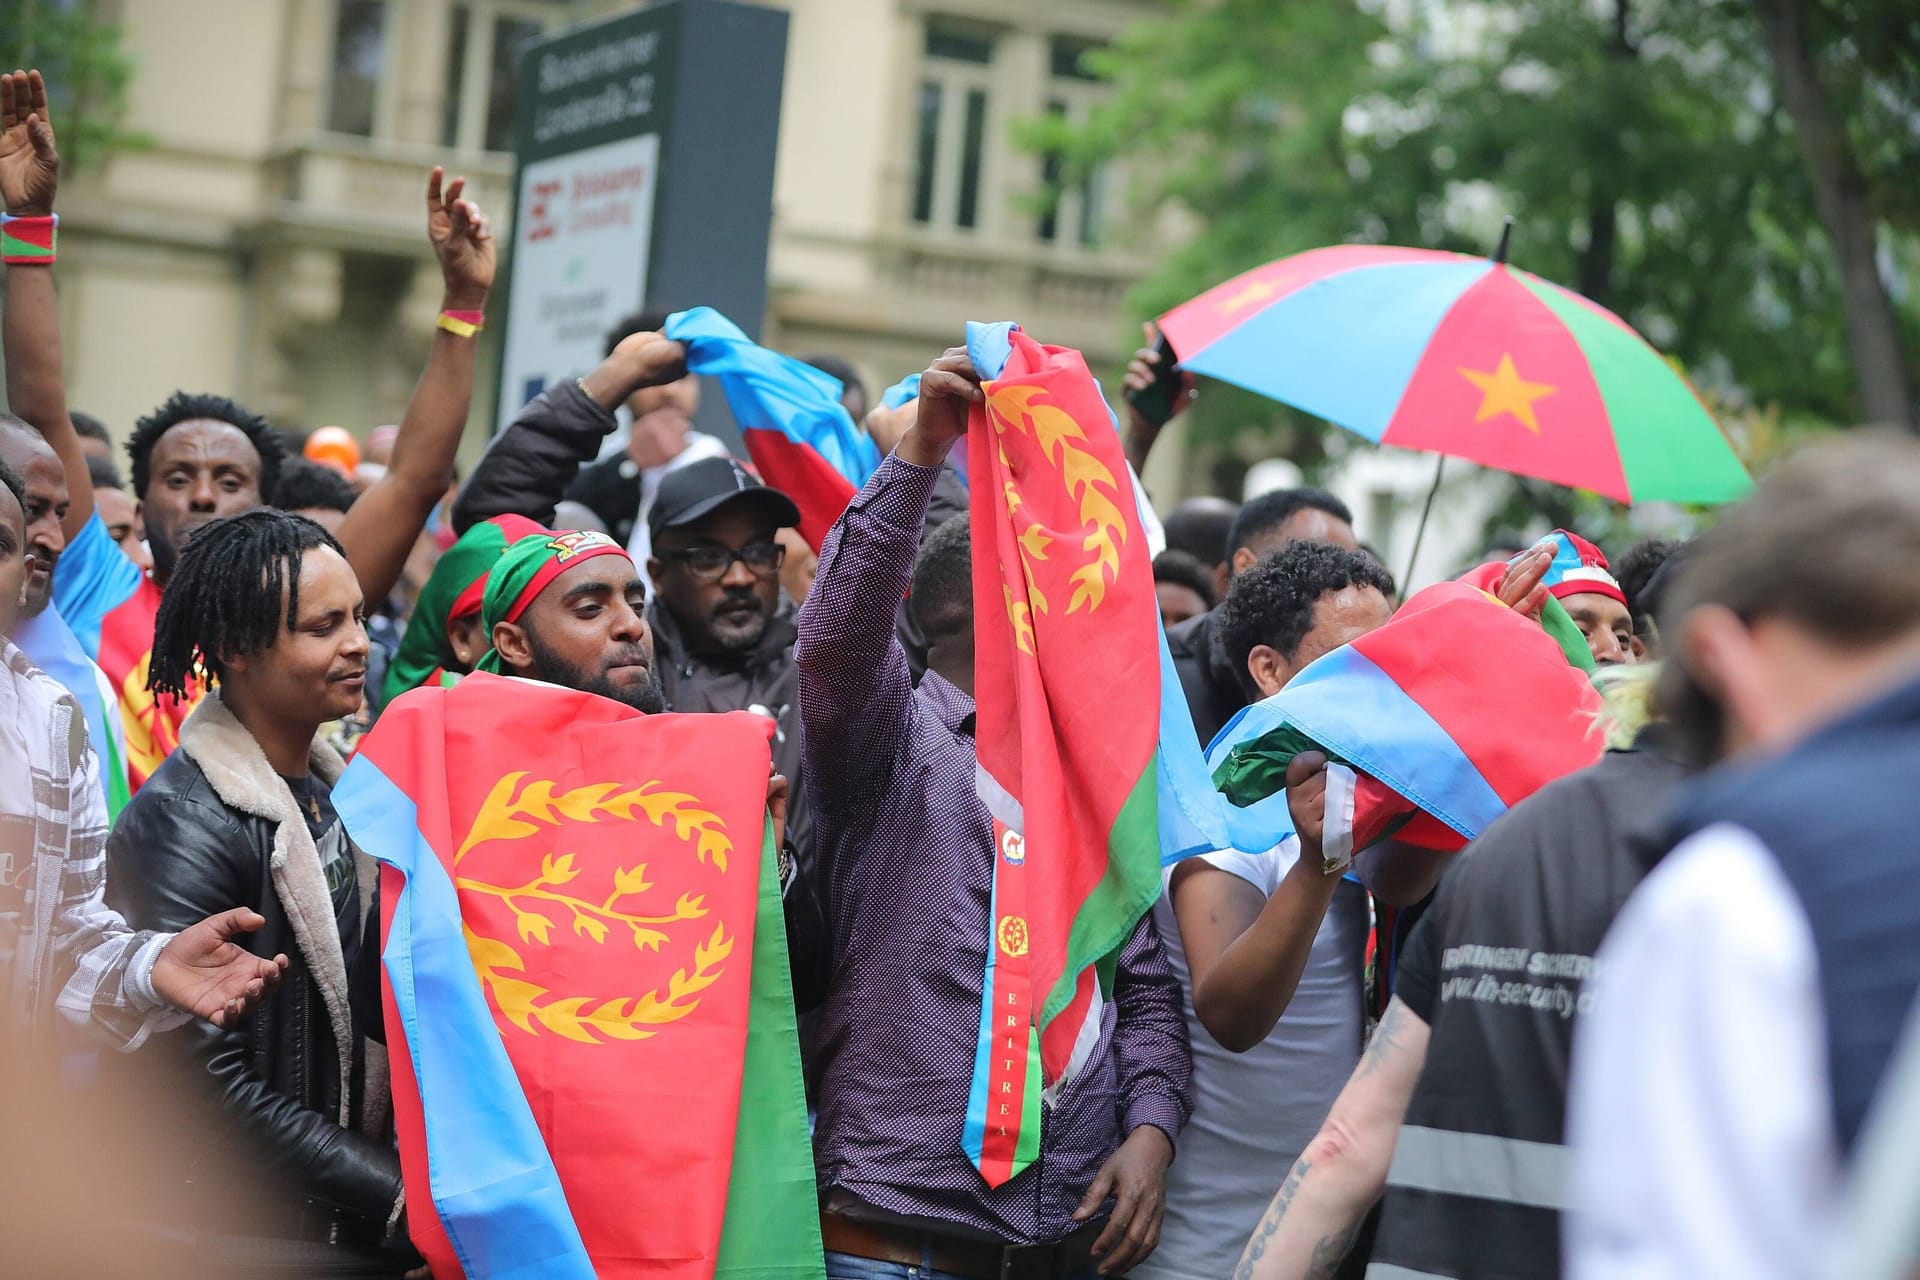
(527, 470)
(856, 692)
(379, 531)
(30, 327)
(1310, 1225)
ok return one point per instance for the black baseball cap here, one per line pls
(701, 488)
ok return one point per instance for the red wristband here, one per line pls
(28, 242)
(463, 324)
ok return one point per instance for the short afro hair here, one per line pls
(1272, 603)
(1184, 570)
(102, 474)
(1261, 517)
(942, 599)
(85, 424)
(309, 486)
(184, 406)
(645, 320)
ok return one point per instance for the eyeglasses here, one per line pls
(710, 564)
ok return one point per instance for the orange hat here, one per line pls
(334, 447)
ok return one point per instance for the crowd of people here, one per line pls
(1636, 1029)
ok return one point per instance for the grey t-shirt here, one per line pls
(1254, 1112)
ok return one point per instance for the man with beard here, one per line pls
(568, 608)
(200, 457)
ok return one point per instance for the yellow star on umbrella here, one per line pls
(1258, 291)
(1505, 391)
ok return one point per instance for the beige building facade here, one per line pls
(268, 241)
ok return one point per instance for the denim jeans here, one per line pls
(845, 1266)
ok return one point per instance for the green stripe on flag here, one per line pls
(1670, 447)
(772, 1227)
(1125, 892)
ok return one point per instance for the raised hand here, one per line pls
(948, 390)
(1520, 588)
(29, 164)
(203, 971)
(462, 240)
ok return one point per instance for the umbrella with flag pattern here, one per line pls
(1467, 358)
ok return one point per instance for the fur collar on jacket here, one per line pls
(238, 771)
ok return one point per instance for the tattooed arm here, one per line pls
(1311, 1222)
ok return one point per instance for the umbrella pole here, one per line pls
(1419, 534)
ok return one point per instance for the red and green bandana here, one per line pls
(453, 590)
(526, 569)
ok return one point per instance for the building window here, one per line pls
(484, 44)
(359, 59)
(950, 140)
(1076, 215)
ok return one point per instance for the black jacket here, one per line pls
(1213, 690)
(537, 461)
(764, 680)
(285, 1092)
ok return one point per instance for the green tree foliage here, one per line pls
(1638, 144)
(87, 72)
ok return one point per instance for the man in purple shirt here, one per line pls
(905, 861)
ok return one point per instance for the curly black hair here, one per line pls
(309, 486)
(183, 406)
(1272, 603)
(1261, 516)
(1184, 570)
(223, 598)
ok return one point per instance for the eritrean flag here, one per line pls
(1067, 683)
(802, 440)
(588, 1007)
(1453, 712)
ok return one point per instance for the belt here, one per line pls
(974, 1259)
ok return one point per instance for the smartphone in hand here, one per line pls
(1155, 402)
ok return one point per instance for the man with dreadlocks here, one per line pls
(200, 457)
(265, 605)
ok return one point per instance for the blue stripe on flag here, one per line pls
(1349, 705)
(769, 391)
(1345, 347)
(491, 1178)
(908, 388)
(1194, 817)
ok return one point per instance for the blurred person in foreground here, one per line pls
(1755, 985)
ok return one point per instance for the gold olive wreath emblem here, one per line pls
(539, 902)
(1013, 935)
(1103, 530)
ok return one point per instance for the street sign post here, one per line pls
(644, 149)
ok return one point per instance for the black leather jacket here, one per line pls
(182, 851)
